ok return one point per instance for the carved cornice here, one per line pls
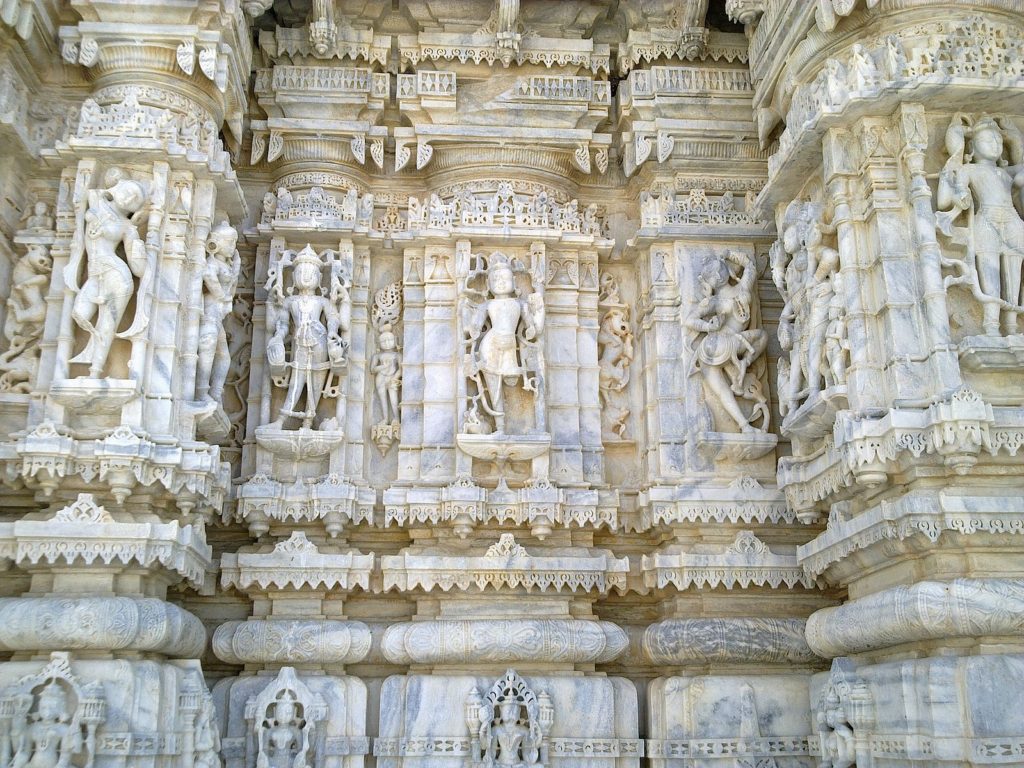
(743, 500)
(122, 460)
(927, 513)
(296, 563)
(952, 434)
(746, 562)
(570, 572)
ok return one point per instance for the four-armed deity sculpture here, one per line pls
(501, 327)
(314, 320)
(107, 235)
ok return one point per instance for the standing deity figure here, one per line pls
(500, 328)
(318, 325)
(837, 345)
(48, 737)
(724, 345)
(822, 263)
(386, 367)
(282, 738)
(110, 220)
(207, 736)
(981, 183)
(26, 313)
(615, 351)
(220, 279)
(790, 264)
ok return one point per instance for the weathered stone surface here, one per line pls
(417, 384)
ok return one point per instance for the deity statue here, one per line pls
(284, 202)
(838, 749)
(39, 220)
(318, 324)
(591, 224)
(207, 736)
(822, 263)
(365, 214)
(789, 273)
(865, 73)
(501, 329)
(47, 737)
(615, 355)
(386, 367)
(282, 736)
(26, 313)
(981, 183)
(509, 727)
(724, 345)
(220, 279)
(837, 344)
(110, 220)
(269, 208)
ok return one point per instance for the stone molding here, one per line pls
(291, 641)
(746, 562)
(296, 563)
(927, 610)
(504, 641)
(86, 623)
(682, 642)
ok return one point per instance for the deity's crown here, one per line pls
(985, 123)
(53, 692)
(308, 256)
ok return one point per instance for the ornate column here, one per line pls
(899, 260)
(115, 466)
(707, 504)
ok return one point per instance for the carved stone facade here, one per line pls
(511, 383)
